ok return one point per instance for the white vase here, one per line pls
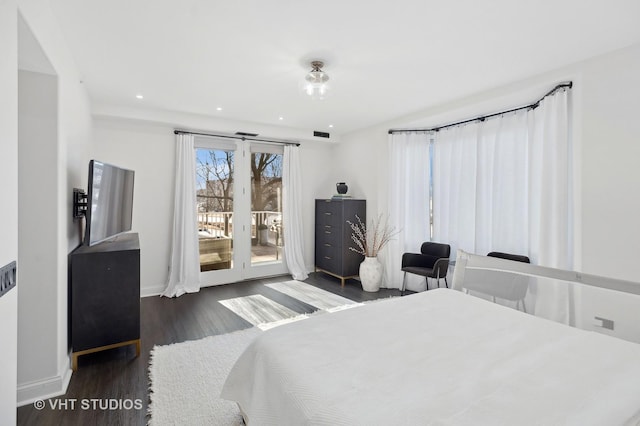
(371, 274)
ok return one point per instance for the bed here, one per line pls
(447, 357)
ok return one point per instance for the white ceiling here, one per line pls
(386, 59)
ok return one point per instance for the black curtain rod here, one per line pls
(484, 117)
(242, 137)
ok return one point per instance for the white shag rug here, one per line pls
(186, 380)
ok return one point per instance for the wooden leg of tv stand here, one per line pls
(75, 355)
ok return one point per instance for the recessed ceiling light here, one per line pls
(280, 118)
(219, 109)
(330, 125)
(139, 96)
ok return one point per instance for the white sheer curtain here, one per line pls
(551, 200)
(292, 213)
(409, 172)
(501, 182)
(454, 187)
(551, 197)
(184, 274)
(504, 184)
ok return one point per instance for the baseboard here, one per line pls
(28, 393)
(159, 289)
(152, 291)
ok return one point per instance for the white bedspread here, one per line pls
(435, 358)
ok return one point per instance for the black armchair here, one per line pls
(431, 262)
(514, 257)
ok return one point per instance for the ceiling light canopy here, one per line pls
(316, 81)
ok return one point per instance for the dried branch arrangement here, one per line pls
(369, 241)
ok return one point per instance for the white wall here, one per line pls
(606, 101)
(316, 161)
(37, 223)
(610, 172)
(44, 355)
(9, 211)
(148, 148)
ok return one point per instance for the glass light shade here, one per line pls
(316, 84)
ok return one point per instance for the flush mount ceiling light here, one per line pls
(316, 81)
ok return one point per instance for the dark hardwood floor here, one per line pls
(118, 375)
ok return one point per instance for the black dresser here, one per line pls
(333, 237)
(104, 296)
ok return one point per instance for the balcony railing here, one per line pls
(220, 224)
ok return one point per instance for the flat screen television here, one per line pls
(109, 202)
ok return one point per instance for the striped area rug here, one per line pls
(265, 313)
(258, 309)
(313, 296)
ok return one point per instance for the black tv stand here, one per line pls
(104, 296)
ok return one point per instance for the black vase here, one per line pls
(342, 187)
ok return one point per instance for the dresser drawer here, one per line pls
(329, 260)
(328, 213)
(328, 234)
(330, 219)
(323, 206)
(327, 251)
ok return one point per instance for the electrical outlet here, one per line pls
(604, 323)
(7, 278)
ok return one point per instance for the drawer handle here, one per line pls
(327, 232)
(327, 245)
(327, 257)
(328, 213)
(327, 226)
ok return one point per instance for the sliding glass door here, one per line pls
(239, 196)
